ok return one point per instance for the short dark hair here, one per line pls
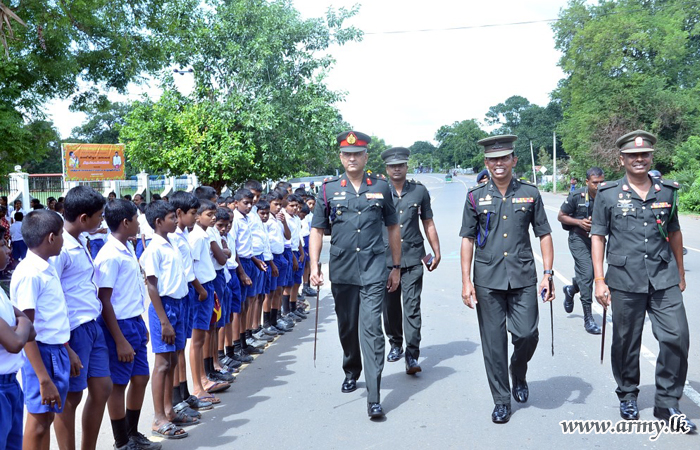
(127, 197)
(206, 205)
(282, 191)
(184, 201)
(205, 193)
(305, 208)
(59, 207)
(230, 199)
(112, 193)
(263, 204)
(142, 207)
(62, 200)
(138, 195)
(594, 172)
(300, 191)
(117, 210)
(283, 185)
(155, 197)
(223, 214)
(253, 185)
(158, 210)
(39, 224)
(82, 200)
(275, 195)
(221, 200)
(294, 198)
(19, 216)
(243, 193)
(50, 199)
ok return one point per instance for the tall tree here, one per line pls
(457, 145)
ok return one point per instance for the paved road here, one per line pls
(284, 401)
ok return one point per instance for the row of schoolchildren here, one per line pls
(210, 274)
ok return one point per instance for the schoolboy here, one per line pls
(200, 244)
(258, 333)
(123, 293)
(35, 289)
(291, 288)
(145, 230)
(219, 254)
(229, 358)
(266, 329)
(186, 206)
(311, 203)
(167, 289)
(15, 331)
(304, 233)
(87, 348)
(278, 232)
(19, 247)
(249, 270)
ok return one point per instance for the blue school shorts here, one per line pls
(173, 311)
(140, 248)
(250, 270)
(234, 287)
(299, 273)
(289, 279)
(220, 289)
(202, 310)
(189, 304)
(306, 247)
(260, 280)
(135, 332)
(283, 269)
(95, 247)
(57, 363)
(268, 279)
(88, 342)
(12, 407)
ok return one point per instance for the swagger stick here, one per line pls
(318, 295)
(551, 312)
(602, 341)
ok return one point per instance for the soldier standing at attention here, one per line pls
(645, 275)
(359, 206)
(412, 202)
(575, 216)
(495, 225)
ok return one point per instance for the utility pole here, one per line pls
(554, 161)
(534, 173)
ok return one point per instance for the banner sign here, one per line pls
(93, 162)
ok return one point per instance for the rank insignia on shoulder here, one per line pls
(524, 200)
(603, 183)
(657, 187)
(369, 181)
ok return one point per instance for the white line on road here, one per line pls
(647, 354)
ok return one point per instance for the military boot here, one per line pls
(588, 322)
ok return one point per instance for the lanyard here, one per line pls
(480, 239)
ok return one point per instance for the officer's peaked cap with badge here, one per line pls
(353, 141)
(396, 155)
(497, 146)
(638, 141)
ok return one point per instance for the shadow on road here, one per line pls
(555, 392)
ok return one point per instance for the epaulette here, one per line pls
(473, 188)
(527, 182)
(607, 185)
(329, 179)
(671, 184)
(414, 181)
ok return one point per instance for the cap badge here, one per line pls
(351, 139)
(638, 141)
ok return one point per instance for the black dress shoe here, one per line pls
(629, 410)
(412, 366)
(349, 385)
(569, 298)
(501, 413)
(375, 411)
(395, 354)
(665, 414)
(520, 390)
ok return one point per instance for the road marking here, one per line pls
(648, 355)
(693, 249)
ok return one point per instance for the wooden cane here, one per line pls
(602, 341)
(318, 295)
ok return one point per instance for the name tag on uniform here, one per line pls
(374, 195)
(483, 202)
(339, 198)
(660, 205)
(524, 200)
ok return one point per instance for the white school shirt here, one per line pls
(78, 279)
(305, 229)
(117, 268)
(144, 228)
(267, 251)
(215, 236)
(275, 233)
(244, 236)
(36, 285)
(9, 362)
(162, 260)
(257, 231)
(16, 232)
(100, 236)
(179, 240)
(200, 245)
(294, 224)
(231, 263)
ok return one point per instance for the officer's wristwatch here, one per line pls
(396, 266)
(549, 272)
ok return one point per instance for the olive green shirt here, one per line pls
(357, 218)
(637, 252)
(578, 205)
(501, 223)
(411, 205)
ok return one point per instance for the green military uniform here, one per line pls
(357, 271)
(505, 277)
(411, 205)
(579, 205)
(643, 277)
